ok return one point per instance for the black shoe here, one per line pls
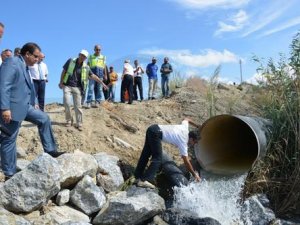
(6, 178)
(55, 154)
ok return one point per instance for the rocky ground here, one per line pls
(119, 129)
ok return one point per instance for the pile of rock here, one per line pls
(75, 188)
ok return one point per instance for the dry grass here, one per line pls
(278, 175)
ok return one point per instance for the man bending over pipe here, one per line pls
(177, 135)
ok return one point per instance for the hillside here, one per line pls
(102, 126)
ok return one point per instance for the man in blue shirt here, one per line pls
(166, 69)
(151, 72)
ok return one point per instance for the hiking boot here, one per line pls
(55, 154)
(145, 184)
(88, 105)
(68, 124)
(79, 127)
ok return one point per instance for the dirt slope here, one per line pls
(102, 125)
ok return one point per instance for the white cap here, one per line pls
(84, 52)
(127, 61)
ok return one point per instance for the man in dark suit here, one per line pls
(17, 103)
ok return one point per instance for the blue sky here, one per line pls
(197, 35)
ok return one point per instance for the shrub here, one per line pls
(278, 175)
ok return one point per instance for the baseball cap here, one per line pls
(84, 52)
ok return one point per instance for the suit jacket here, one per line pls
(16, 88)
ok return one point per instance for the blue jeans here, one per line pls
(96, 88)
(153, 148)
(8, 143)
(165, 84)
(112, 92)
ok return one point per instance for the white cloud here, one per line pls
(204, 4)
(206, 58)
(283, 26)
(267, 15)
(235, 23)
(257, 77)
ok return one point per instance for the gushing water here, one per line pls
(216, 198)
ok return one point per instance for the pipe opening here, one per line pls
(228, 145)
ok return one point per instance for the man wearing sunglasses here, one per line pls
(17, 103)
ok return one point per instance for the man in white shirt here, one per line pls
(39, 74)
(177, 135)
(127, 81)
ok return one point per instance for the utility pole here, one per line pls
(241, 71)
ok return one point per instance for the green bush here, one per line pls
(278, 174)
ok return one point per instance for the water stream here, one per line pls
(216, 197)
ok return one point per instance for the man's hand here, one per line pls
(197, 177)
(6, 116)
(104, 86)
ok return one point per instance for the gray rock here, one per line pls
(132, 207)
(257, 213)
(88, 196)
(110, 176)
(75, 166)
(183, 217)
(76, 223)
(31, 188)
(63, 197)
(8, 218)
(58, 215)
(22, 164)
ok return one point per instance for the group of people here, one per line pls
(20, 80)
(132, 79)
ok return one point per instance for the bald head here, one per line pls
(1, 29)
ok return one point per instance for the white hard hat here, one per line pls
(84, 52)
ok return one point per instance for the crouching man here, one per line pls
(177, 135)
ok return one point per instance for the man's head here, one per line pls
(97, 49)
(166, 60)
(6, 54)
(42, 56)
(154, 60)
(111, 69)
(17, 51)
(1, 29)
(30, 53)
(83, 54)
(136, 62)
(193, 138)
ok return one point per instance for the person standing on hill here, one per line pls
(97, 63)
(138, 80)
(17, 103)
(177, 135)
(1, 34)
(165, 70)
(113, 78)
(127, 81)
(39, 74)
(73, 81)
(151, 71)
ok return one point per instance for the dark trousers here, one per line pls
(151, 148)
(127, 84)
(138, 84)
(40, 87)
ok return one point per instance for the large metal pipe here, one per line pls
(231, 144)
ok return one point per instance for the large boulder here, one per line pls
(87, 196)
(110, 176)
(256, 208)
(58, 215)
(31, 188)
(8, 218)
(132, 207)
(183, 217)
(75, 166)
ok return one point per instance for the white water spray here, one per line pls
(216, 198)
